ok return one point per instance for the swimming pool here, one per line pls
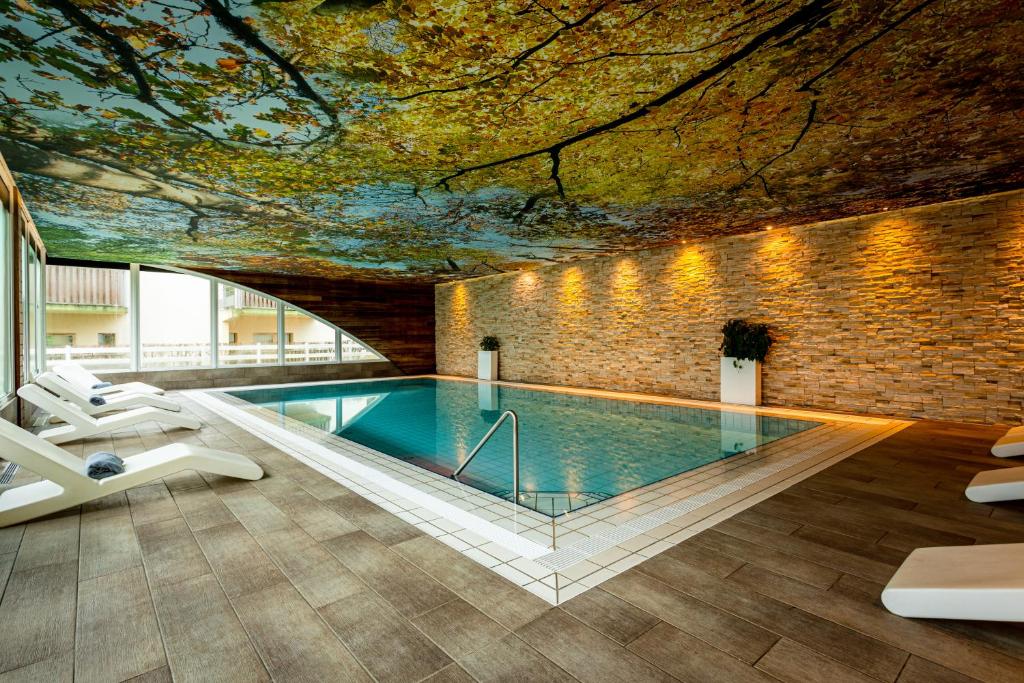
(574, 450)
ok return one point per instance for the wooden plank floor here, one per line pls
(295, 578)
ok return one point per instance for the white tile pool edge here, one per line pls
(555, 575)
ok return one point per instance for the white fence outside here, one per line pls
(157, 356)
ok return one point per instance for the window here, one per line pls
(247, 327)
(107, 318)
(354, 352)
(59, 340)
(87, 311)
(174, 320)
(7, 329)
(307, 340)
(32, 308)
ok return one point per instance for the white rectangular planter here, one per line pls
(487, 365)
(741, 384)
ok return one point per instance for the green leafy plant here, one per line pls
(743, 340)
(490, 344)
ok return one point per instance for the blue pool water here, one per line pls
(574, 450)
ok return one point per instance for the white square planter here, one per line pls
(487, 365)
(741, 384)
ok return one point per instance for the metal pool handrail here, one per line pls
(515, 450)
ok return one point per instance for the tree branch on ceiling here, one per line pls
(248, 35)
(806, 19)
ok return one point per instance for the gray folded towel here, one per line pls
(102, 465)
(97, 400)
(102, 385)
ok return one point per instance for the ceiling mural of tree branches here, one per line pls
(432, 139)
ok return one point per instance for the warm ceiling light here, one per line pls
(767, 227)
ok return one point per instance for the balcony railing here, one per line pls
(156, 356)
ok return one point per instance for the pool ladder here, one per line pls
(515, 450)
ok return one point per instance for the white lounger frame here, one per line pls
(80, 425)
(66, 485)
(982, 582)
(1011, 445)
(76, 374)
(122, 401)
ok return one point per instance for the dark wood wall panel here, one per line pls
(396, 319)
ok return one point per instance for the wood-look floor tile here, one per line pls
(390, 648)
(108, 543)
(690, 659)
(915, 637)
(117, 636)
(920, 670)
(202, 508)
(257, 514)
(510, 659)
(204, 639)
(239, 562)
(407, 588)
(768, 558)
(716, 627)
(857, 651)
(495, 596)
(459, 628)
(57, 669)
(170, 552)
(318, 575)
(10, 538)
(789, 661)
(315, 518)
(373, 519)
(292, 639)
(585, 653)
(612, 616)
(826, 556)
(152, 503)
(160, 675)
(707, 559)
(453, 673)
(38, 614)
(51, 541)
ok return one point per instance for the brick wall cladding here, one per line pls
(914, 313)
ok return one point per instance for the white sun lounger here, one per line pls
(1011, 445)
(80, 425)
(65, 484)
(71, 392)
(993, 486)
(983, 582)
(76, 374)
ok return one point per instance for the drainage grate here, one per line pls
(10, 469)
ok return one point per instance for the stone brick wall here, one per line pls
(918, 312)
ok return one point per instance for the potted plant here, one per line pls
(487, 359)
(744, 348)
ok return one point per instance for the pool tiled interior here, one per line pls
(557, 558)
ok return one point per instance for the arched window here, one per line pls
(135, 317)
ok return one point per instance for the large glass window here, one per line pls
(174, 320)
(87, 318)
(6, 328)
(353, 352)
(32, 307)
(306, 339)
(246, 327)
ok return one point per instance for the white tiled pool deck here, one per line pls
(558, 558)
